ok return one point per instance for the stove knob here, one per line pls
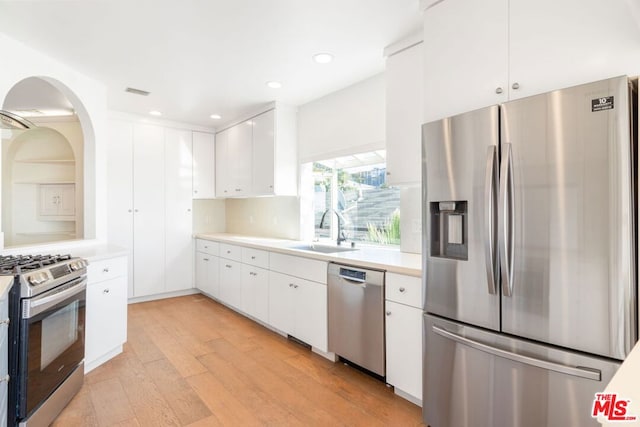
(74, 266)
(38, 278)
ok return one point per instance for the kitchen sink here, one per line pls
(325, 249)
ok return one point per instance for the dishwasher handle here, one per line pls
(353, 279)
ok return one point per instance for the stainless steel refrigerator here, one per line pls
(529, 257)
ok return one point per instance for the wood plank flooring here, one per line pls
(190, 361)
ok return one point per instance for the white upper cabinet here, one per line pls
(556, 44)
(263, 153)
(258, 156)
(484, 53)
(404, 115)
(465, 56)
(239, 158)
(223, 180)
(203, 165)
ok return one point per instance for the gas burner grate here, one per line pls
(18, 264)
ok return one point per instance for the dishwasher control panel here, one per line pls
(347, 273)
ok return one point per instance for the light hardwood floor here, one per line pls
(190, 361)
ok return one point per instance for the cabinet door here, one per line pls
(203, 261)
(281, 314)
(120, 190)
(223, 180)
(67, 200)
(106, 317)
(465, 56)
(310, 307)
(403, 79)
(231, 282)
(178, 218)
(575, 42)
(263, 153)
(255, 292)
(404, 347)
(239, 158)
(203, 165)
(49, 195)
(148, 185)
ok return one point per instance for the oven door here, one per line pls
(52, 342)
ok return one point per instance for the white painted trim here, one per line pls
(90, 366)
(155, 297)
(403, 44)
(274, 105)
(131, 117)
(428, 4)
(327, 355)
(411, 398)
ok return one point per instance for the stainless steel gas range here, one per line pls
(46, 335)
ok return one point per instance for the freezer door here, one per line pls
(460, 170)
(477, 378)
(566, 233)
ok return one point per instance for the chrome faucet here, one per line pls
(342, 237)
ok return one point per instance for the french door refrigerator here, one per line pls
(529, 257)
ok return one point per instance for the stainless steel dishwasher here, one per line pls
(356, 316)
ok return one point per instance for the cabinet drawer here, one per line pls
(404, 289)
(255, 257)
(106, 269)
(230, 252)
(304, 268)
(208, 247)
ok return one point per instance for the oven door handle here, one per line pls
(39, 304)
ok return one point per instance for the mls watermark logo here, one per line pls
(610, 406)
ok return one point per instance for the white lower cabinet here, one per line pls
(106, 311)
(404, 334)
(4, 355)
(298, 307)
(255, 292)
(208, 274)
(230, 282)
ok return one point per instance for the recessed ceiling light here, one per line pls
(323, 58)
(216, 116)
(155, 113)
(274, 85)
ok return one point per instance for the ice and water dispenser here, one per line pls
(449, 230)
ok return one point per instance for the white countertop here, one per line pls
(365, 256)
(98, 252)
(626, 385)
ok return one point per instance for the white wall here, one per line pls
(209, 216)
(89, 99)
(348, 121)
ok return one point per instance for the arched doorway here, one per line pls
(43, 168)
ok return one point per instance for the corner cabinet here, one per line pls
(485, 53)
(106, 313)
(258, 155)
(403, 79)
(403, 301)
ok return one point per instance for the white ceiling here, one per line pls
(200, 57)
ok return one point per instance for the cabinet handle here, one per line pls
(295, 286)
(205, 259)
(238, 189)
(388, 313)
(106, 291)
(291, 285)
(402, 289)
(105, 270)
(206, 247)
(498, 90)
(271, 186)
(227, 265)
(388, 173)
(130, 211)
(135, 210)
(253, 257)
(188, 210)
(5, 379)
(195, 191)
(5, 321)
(515, 86)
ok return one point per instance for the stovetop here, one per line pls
(20, 264)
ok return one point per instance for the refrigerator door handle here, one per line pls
(506, 220)
(489, 218)
(582, 372)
